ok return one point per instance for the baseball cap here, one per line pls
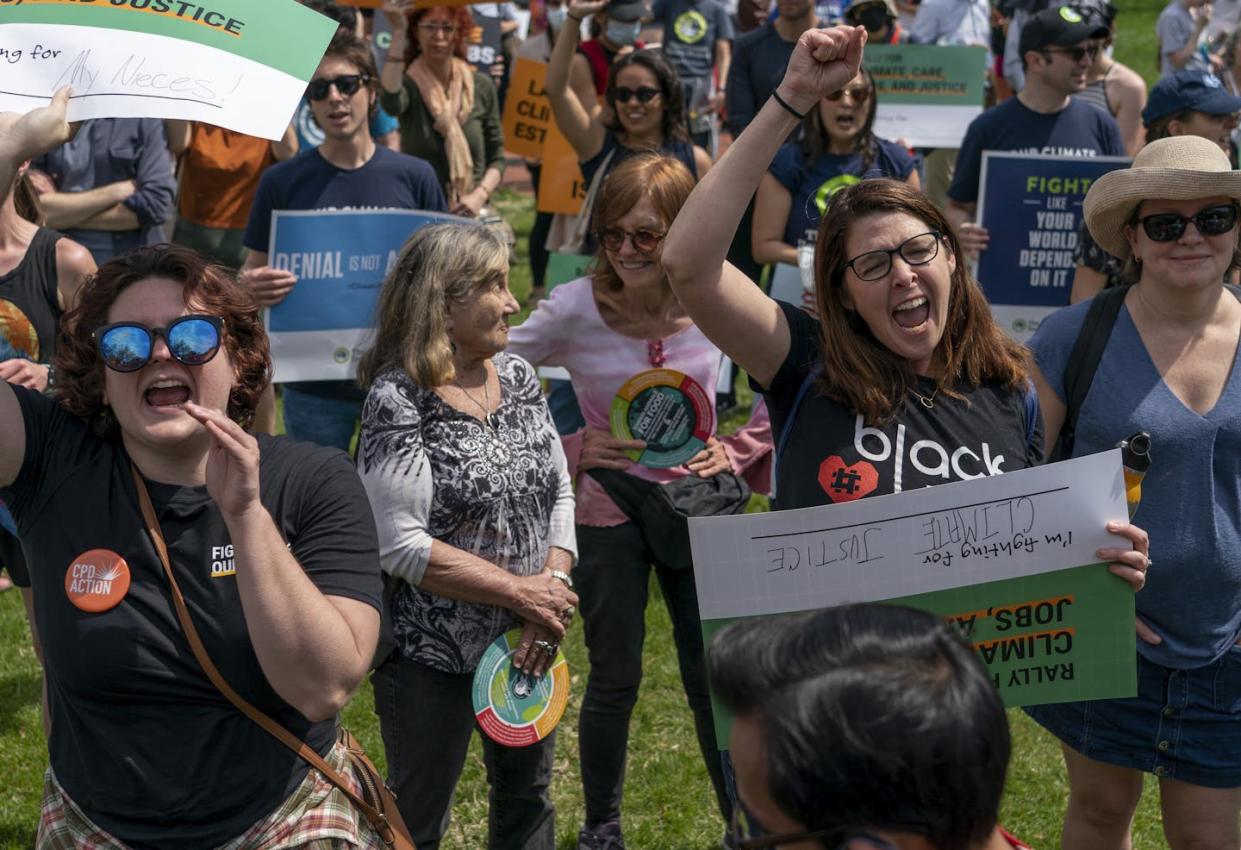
(625, 10)
(1196, 90)
(1059, 26)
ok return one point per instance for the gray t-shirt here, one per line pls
(691, 28)
(1175, 28)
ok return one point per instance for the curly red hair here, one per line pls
(210, 288)
(461, 16)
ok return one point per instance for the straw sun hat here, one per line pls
(1178, 168)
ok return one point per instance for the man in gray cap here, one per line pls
(1056, 50)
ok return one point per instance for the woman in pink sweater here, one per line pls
(606, 328)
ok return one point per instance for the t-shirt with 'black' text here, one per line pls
(141, 740)
(832, 455)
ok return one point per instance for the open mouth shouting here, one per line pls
(912, 314)
(167, 394)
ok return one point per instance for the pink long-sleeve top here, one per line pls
(567, 330)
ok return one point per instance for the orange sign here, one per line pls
(561, 186)
(527, 114)
(97, 580)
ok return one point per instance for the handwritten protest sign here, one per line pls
(926, 94)
(1009, 558)
(561, 186)
(527, 113)
(340, 258)
(234, 63)
(1031, 205)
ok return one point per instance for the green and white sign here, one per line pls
(927, 94)
(239, 64)
(1008, 558)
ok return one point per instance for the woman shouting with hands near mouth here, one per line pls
(272, 543)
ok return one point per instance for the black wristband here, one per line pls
(799, 115)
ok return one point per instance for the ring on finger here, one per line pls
(542, 645)
(551, 648)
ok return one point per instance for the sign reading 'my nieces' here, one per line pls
(240, 64)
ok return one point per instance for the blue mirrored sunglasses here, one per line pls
(128, 346)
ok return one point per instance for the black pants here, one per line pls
(426, 717)
(538, 233)
(612, 579)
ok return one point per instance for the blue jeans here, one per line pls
(426, 717)
(320, 419)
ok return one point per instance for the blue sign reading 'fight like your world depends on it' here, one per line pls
(1031, 206)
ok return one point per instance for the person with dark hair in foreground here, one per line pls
(865, 727)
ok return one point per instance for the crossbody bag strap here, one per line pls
(376, 818)
(588, 205)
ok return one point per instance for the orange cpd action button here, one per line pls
(97, 580)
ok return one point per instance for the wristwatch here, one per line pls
(51, 378)
(563, 576)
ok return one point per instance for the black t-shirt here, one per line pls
(29, 311)
(832, 455)
(141, 740)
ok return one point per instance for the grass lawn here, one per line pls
(668, 801)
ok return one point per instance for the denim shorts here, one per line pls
(1183, 724)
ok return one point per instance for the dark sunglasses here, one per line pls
(644, 94)
(1077, 54)
(346, 84)
(128, 346)
(860, 94)
(915, 251)
(1168, 227)
(644, 241)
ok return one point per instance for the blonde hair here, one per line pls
(440, 265)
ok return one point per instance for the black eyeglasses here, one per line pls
(644, 241)
(916, 251)
(644, 94)
(1077, 54)
(860, 94)
(431, 28)
(128, 346)
(747, 834)
(346, 84)
(1168, 227)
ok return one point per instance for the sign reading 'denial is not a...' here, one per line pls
(1031, 205)
(341, 258)
(240, 64)
(1009, 558)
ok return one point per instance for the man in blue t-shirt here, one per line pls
(1056, 51)
(347, 171)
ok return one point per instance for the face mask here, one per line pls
(555, 17)
(622, 33)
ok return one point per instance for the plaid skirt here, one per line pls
(317, 816)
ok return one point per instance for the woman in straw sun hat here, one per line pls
(1170, 368)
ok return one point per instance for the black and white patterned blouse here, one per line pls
(500, 491)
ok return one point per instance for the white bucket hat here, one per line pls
(1178, 168)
